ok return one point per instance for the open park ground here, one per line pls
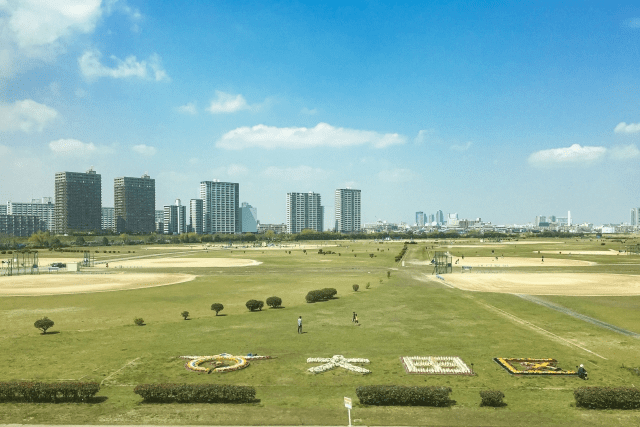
(403, 311)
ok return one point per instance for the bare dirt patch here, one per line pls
(184, 262)
(580, 284)
(72, 283)
(609, 252)
(513, 262)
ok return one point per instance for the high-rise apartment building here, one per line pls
(78, 205)
(21, 225)
(304, 211)
(347, 210)
(108, 219)
(196, 215)
(420, 219)
(248, 218)
(42, 208)
(160, 221)
(134, 204)
(634, 220)
(175, 218)
(220, 206)
(440, 217)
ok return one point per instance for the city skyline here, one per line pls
(503, 112)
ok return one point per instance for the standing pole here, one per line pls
(349, 417)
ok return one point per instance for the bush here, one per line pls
(313, 296)
(138, 321)
(29, 391)
(196, 393)
(492, 398)
(356, 287)
(395, 395)
(368, 285)
(328, 293)
(274, 302)
(217, 307)
(44, 324)
(607, 397)
(185, 314)
(320, 294)
(254, 305)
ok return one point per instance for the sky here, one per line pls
(493, 110)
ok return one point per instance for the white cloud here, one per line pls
(625, 152)
(92, 68)
(322, 135)
(300, 173)
(633, 23)
(4, 151)
(575, 154)
(396, 175)
(308, 112)
(424, 135)
(143, 149)
(461, 148)
(72, 147)
(189, 108)
(627, 128)
(234, 170)
(25, 116)
(227, 103)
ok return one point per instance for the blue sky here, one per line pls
(501, 110)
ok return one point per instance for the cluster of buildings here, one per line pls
(78, 208)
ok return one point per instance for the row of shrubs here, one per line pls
(607, 397)
(402, 252)
(397, 395)
(30, 391)
(321, 295)
(196, 393)
(253, 305)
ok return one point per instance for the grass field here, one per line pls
(409, 314)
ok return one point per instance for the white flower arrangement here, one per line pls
(437, 365)
(337, 361)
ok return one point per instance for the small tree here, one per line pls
(139, 321)
(43, 324)
(274, 302)
(185, 314)
(217, 307)
(356, 287)
(254, 305)
(388, 274)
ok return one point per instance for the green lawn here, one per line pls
(406, 315)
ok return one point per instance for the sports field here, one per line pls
(403, 311)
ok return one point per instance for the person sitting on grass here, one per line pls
(582, 373)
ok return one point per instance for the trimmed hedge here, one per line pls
(31, 391)
(607, 397)
(196, 393)
(274, 302)
(492, 398)
(396, 395)
(321, 294)
(254, 305)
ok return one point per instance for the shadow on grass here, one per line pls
(277, 308)
(220, 315)
(497, 405)
(50, 333)
(90, 401)
(144, 402)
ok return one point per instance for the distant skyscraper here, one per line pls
(196, 215)
(304, 211)
(135, 204)
(42, 208)
(420, 219)
(175, 218)
(78, 201)
(439, 217)
(634, 220)
(159, 221)
(248, 218)
(432, 218)
(347, 210)
(452, 219)
(108, 219)
(220, 206)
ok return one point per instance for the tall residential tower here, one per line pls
(134, 204)
(78, 201)
(347, 210)
(220, 207)
(304, 211)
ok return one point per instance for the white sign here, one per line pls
(347, 402)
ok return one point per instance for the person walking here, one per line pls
(353, 319)
(300, 324)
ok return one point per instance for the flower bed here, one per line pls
(435, 365)
(337, 361)
(220, 362)
(528, 366)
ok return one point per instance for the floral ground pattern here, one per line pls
(435, 365)
(528, 366)
(337, 361)
(220, 362)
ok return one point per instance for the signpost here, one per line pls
(347, 404)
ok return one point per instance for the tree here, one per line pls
(274, 302)
(43, 324)
(254, 305)
(388, 274)
(105, 241)
(356, 287)
(79, 241)
(139, 321)
(217, 307)
(185, 314)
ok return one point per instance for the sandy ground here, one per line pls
(72, 283)
(183, 262)
(609, 252)
(513, 262)
(579, 284)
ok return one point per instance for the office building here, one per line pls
(347, 210)
(432, 218)
(248, 218)
(304, 211)
(108, 219)
(276, 228)
(21, 225)
(175, 218)
(452, 219)
(420, 219)
(135, 204)
(439, 218)
(78, 204)
(220, 206)
(196, 215)
(42, 208)
(634, 220)
(159, 221)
